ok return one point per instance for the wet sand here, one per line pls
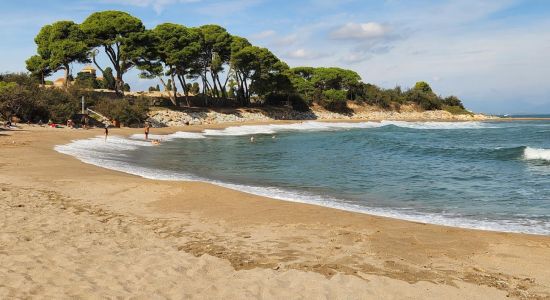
(69, 229)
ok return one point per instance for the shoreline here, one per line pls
(357, 252)
(313, 199)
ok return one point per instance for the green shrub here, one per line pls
(427, 101)
(86, 80)
(373, 95)
(276, 99)
(61, 105)
(453, 101)
(7, 86)
(456, 110)
(127, 111)
(21, 79)
(298, 103)
(334, 100)
(21, 96)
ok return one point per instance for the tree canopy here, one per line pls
(39, 68)
(226, 66)
(112, 31)
(59, 45)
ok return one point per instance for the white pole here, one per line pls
(83, 111)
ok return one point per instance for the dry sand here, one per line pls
(68, 229)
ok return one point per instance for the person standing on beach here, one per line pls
(106, 131)
(147, 126)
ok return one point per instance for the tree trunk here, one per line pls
(96, 64)
(66, 66)
(216, 93)
(247, 92)
(119, 84)
(240, 90)
(174, 90)
(185, 89)
(170, 95)
(204, 90)
(222, 88)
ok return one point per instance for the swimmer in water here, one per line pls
(252, 139)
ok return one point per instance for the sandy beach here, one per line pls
(69, 229)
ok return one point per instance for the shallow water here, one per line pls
(486, 175)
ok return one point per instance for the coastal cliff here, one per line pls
(167, 117)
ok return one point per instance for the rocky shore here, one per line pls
(167, 117)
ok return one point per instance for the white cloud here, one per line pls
(360, 31)
(300, 53)
(157, 5)
(264, 34)
(224, 8)
(304, 54)
(354, 57)
(286, 40)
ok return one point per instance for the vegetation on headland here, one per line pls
(206, 62)
(22, 97)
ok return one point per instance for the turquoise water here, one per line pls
(486, 175)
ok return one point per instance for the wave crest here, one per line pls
(536, 154)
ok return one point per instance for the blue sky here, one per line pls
(494, 54)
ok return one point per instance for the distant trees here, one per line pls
(421, 94)
(258, 71)
(326, 86)
(207, 62)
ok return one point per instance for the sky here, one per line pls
(493, 54)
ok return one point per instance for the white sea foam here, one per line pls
(309, 126)
(105, 153)
(536, 154)
(328, 126)
(100, 144)
(170, 137)
(274, 128)
(438, 125)
(521, 225)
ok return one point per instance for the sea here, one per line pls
(481, 175)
